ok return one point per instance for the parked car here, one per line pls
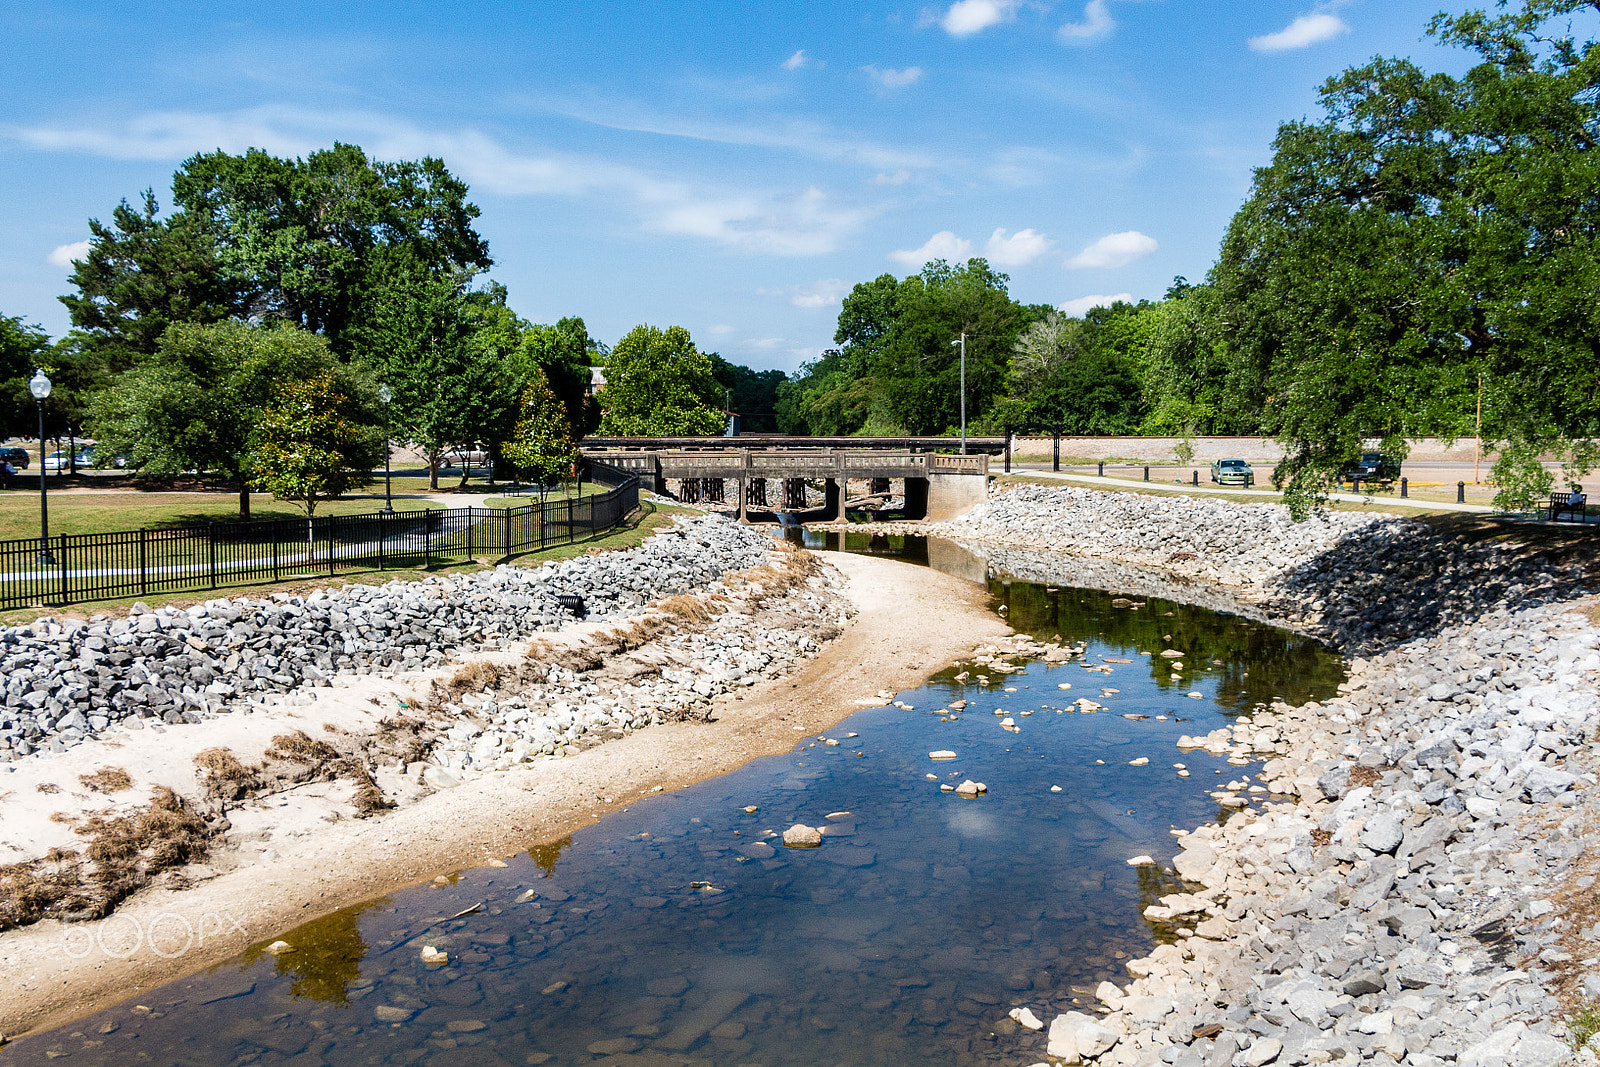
(61, 459)
(1232, 472)
(1372, 467)
(17, 457)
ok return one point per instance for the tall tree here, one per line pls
(140, 275)
(437, 346)
(22, 347)
(659, 385)
(541, 444)
(561, 354)
(1429, 231)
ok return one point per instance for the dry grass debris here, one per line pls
(107, 780)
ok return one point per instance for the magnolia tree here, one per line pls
(541, 445)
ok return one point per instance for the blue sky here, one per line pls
(732, 168)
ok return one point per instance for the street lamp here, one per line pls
(386, 394)
(39, 386)
(963, 344)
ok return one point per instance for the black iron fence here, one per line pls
(74, 568)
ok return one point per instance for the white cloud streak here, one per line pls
(1083, 304)
(65, 254)
(1303, 32)
(942, 245)
(796, 61)
(1097, 23)
(967, 17)
(1114, 250)
(756, 221)
(893, 79)
(1018, 250)
(818, 294)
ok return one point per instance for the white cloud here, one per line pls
(1097, 22)
(1083, 304)
(942, 245)
(1018, 250)
(763, 342)
(1114, 250)
(796, 61)
(763, 221)
(967, 17)
(63, 256)
(899, 177)
(1302, 32)
(893, 79)
(819, 294)
(720, 328)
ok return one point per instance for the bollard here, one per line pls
(1461, 492)
(1147, 474)
(1355, 485)
(1404, 488)
(1196, 477)
(1100, 472)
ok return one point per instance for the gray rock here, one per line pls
(1075, 1037)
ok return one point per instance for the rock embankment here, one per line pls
(1216, 540)
(1422, 901)
(1367, 582)
(65, 681)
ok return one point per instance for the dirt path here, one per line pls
(912, 622)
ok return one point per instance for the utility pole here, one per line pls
(1477, 434)
(963, 343)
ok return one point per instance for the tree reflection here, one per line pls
(325, 954)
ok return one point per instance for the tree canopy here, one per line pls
(658, 384)
(1428, 231)
(313, 443)
(21, 349)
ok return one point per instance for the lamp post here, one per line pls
(963, 343)
(39, 386)
(386, 394)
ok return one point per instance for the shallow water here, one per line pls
(672, 932)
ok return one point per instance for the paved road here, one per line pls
(1270, 494)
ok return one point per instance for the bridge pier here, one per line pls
(833, 491)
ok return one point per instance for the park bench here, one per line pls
(1573, 504)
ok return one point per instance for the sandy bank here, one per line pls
(910, 622)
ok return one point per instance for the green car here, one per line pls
(1232, 472)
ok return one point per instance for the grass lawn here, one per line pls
(648, 519)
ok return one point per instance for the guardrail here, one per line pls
(74, 568)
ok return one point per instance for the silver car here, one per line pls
(1232, 472)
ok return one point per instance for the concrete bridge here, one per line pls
(937, 485)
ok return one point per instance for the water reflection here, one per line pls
(682, 932)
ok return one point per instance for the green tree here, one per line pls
(751, 393)
(312, 445)
(438, 346)
(305, 240)
(1431, 229)
(561, 354)
(541, 444)
(140, 275)
(659, 385)
(194, 403)
(22, 350)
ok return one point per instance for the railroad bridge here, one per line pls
(769, 481)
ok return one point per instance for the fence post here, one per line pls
(571, 534)
(211, 552)
(427, 539)
(144, 571)
(328, 526)
(383, 544)
(507, 552)
(61, 555)
(471, 517)
(277, 525)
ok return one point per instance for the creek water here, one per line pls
(681, 931)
